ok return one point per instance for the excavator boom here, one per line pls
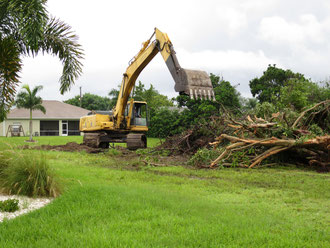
(194, 83)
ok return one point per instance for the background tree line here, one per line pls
(276, 90)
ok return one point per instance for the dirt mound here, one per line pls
(68, 147)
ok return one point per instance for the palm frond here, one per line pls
(10, 65)
(61, 41)
(26, 29)
(30, 18)
(27, 88)
(40, 107)
(27, 98)
(36, 90)
(21, 99)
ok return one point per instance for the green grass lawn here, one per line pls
(53, 140)
(110, 201)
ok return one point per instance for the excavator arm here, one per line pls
(197, 84)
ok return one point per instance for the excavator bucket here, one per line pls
(196, 84)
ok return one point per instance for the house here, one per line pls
(61, 119)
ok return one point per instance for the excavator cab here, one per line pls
(139, 114)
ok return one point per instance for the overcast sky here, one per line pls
(236, 39)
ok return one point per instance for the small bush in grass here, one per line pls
(114, 152)
(29, 174)
(204, 157)
(10, 205)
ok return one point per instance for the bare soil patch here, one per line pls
(68, 147)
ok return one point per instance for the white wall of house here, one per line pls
(25, 123)
(2, 128)
(60, 128)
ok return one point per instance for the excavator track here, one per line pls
(136, 141)
(92, 139)
(101, 140)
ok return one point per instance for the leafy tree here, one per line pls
(298, 94)
(26, 29)
(140, 93)
(265, 110)
(267, 88)
(225, 94)
(154, 100)
(164, 122)
(29, 100)
(90, 102)
(248, 103)
(162, 119)
(113, 94)
(151, 96)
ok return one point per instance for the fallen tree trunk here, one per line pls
(321, 144)
(307, 110)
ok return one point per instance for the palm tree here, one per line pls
(29, 100)
(27, 29)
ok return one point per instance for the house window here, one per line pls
(73, 128)
(49, 128)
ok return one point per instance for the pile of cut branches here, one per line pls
(250, 141)
(198, 136)
(255, 140)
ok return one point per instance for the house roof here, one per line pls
(54, 110)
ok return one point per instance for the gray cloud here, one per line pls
(236, 39)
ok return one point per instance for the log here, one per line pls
(307, 110)
(268, 153)
(276, 146)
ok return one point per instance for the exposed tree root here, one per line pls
(316, 149)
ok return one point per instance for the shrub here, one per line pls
(28, 174)
(265, 109)
(164, 122)
(10, 205)
(203, 157)
(316, 130)
(114, 152)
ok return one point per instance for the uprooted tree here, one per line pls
(253, 141)
(256, 139)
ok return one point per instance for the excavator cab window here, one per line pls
(139, 115)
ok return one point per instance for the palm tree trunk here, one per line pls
(30, 127)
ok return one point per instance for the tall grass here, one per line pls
(5, 158)
(27, 174)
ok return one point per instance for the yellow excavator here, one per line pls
(127, 122)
